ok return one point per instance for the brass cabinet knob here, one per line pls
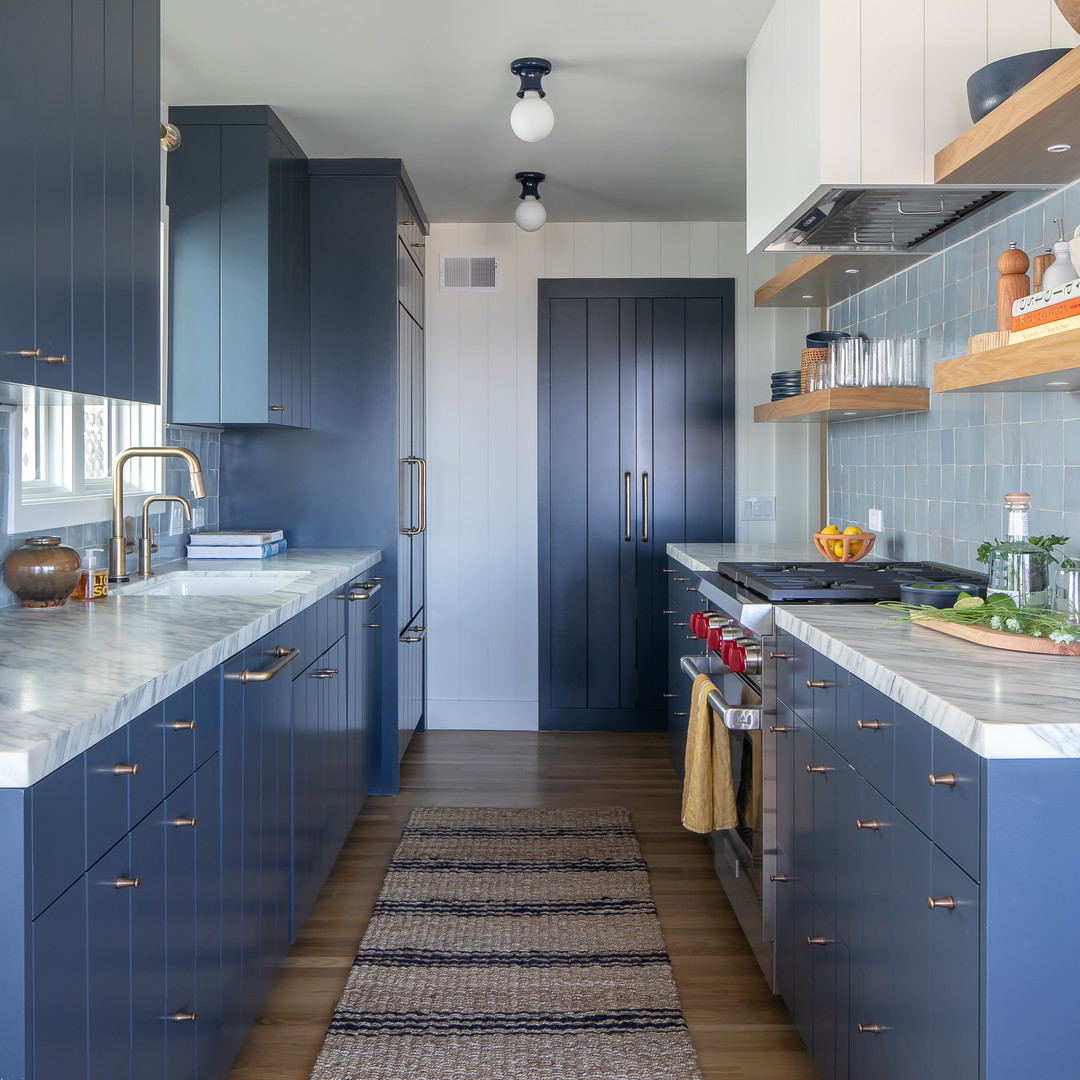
(780, 729)
(689, 588)
(125, 770)
(127, 883)
(817, 684)
(819, 941)
(779, 656)
(183, 1017)
(782, 877)
(372, 625)
(680, 714)
(324, 673)
(27, 354)
(669, 695)
(873, 825)
(818, 768)
(942, 779)
(276, 408)
(62, 359)
(870, 1029)
(868, 725)
(946, 902)
(667, 570)
(184, 822)
(669, 611)
(681, 578)
(682, 624)
(183, 725)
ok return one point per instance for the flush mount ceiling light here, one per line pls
(532, 118)
(1059, 148)
(170, 137)
(530, 214)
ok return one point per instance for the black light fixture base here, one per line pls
(530, 183)
(531, 69)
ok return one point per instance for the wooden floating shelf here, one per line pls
(1008, 145)
(822, 280)
(843, 403)
(1043, 365)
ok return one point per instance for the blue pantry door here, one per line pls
(636, 450)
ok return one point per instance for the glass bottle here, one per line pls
(1019, 568)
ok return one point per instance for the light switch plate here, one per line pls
(759, 508)
(876, 522)
(198, 517)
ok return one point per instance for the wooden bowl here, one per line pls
(855, 547)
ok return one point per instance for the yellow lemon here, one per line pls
(854, 530)
(831, 529)
(837, 547)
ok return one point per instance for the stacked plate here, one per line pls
(786, 384)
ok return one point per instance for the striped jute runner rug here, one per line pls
(511, 945)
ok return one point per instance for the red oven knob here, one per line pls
(714, 638)
(735, 657)
(699, 623)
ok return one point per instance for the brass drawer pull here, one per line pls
(819, 941)
(681, 578)
(670, 611)
(682, 624)
(689, 588)
(184, 1017)
(125, 770)
(782, 877)
(324, 673)
(184, 822)
(284, 658)
(947, 902)
(870, 1029)
(818, 768)
(669, 695)
(817, 684)
(667, 570)
(780, 729)
(680, 714)
(371, 588)
(868, 725)
(942, 779)
(183, 725)
(127, 883)
(276, 408)
(54, 359)
(873, 825)
(779, 656)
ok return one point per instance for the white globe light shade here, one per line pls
(532, 118)
(530, 214)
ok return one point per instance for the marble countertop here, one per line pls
(71, 675)
(999, 704)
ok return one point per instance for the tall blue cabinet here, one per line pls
(357, 475)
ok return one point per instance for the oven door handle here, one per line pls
(733, 717)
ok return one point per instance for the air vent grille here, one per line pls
(470, 273)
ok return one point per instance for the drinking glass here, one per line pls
(1067, 594)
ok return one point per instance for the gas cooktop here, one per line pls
(787, 582)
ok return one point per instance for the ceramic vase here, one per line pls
(42, 572)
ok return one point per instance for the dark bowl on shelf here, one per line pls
(988, 87)
(822, 339)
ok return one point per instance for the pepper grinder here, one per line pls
(1060, 271)
(1012, 284)
(1038, 268)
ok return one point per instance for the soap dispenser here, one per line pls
(94, 579)
(1061, 270)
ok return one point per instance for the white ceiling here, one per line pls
(648, 94)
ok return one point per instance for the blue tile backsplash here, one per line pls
(203, 441)
(940, 477)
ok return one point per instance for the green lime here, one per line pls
(968, 603)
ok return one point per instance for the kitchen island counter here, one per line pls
(999, 704)
(71, 675)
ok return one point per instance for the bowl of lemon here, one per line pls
(848, 546)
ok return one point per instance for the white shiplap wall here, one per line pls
(482, 392)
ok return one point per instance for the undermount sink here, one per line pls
(211, 583)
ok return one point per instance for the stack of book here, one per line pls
(236, 544)
(1043, 313)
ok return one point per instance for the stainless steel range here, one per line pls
(736, 625)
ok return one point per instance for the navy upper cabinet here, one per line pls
(80, 197)
(238, 254)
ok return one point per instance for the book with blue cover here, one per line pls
(236, 537)
(236, 551)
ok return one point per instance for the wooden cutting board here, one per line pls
(998, 639)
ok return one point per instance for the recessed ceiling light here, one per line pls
(808, 296)
(1059, 148)
(851, 270)
(850, 414)
(1057, 384)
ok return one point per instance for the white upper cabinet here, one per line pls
(861, 92)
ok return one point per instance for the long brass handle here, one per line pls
(184, 1017)
(182, 725)
(284, 656)
(644, 507)
(184, 822)
(942, 779)
(628, 525)
(421, 496)
(872, 824)
(946, 902)
(127, 883)
(125, 770)
(355, 594)
(868, 725)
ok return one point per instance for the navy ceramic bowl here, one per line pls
(821, 339)
(935, 594)
(991, 85)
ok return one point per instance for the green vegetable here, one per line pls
(997, 612)
(1047, 543)
(927, 585)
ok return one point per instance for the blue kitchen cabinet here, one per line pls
(681, 600)
(80, 205)
(238, 256)
(364, 642)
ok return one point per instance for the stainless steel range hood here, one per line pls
(877, 220)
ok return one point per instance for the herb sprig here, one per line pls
(997, 611)
(1048, 544)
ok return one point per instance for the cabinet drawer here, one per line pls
(57, 805)
(955, 797)
(912, 750)
(865, 735)
(107, 790)
(147, 751)
(683, 591)
(784, 657)
(320, 626)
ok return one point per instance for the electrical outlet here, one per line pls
(759, 508)
(875, 523)
(198, 517)
(176, 519)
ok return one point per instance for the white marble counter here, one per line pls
(69, 676)
(999, 704)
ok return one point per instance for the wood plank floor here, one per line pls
(741, 1031)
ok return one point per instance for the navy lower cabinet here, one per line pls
(681, 600)
(921, 896)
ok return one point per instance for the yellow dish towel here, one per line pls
(708, 800)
